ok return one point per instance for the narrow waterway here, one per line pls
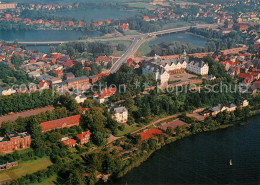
(204, 159)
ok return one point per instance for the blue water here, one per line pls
(43, 35)
(181, 37)
(204, 159)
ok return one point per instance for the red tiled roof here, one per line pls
(146, 18)
(42, 83)
(150, 133)
(69, 142)
(60, 123)
(102, 59)
(246, 75)
(81, 136)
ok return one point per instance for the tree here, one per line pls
(94, 120)
(16, 60)
(98, 138)
(76, 177)
(120, 47)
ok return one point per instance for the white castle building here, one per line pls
(162, 68)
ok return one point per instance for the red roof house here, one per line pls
(84, 137)
(69, 142)
(60, 123)
(102, 59)
(104, 94)
(124, 26)
(44, 85)
(146, 18)
(71, 23)
(80, 23)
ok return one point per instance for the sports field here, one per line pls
(24, 168)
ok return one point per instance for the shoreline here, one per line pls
(176, 138)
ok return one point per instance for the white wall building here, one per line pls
(120, 114)
(161, 68)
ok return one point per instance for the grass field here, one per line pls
(127, 130)
(24, 168)
(144, 50)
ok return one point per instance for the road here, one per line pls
(137, 42)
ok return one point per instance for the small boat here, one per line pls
(230, 162)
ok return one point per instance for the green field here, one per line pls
(24, 168)
(144, 50)
(128, 130)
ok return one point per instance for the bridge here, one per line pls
(128, 37)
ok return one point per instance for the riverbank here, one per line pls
(186, 133)
(204, 159)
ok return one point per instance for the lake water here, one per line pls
(96, 14)
(43, 35)
(181, 37)
(204, 159)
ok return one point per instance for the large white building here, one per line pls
(120, 114)
(161, 68)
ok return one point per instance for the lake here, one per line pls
(181, 37)
(204, 159)
(43, 35)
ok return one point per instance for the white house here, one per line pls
(79, 98)
(6, 91)
(120, 114)
(198, 67)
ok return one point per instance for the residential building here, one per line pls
(14, 141)
(60, 123)
(69, 142)
(84, 137)
(80, 98)
(8, 165)
(120, 114)
(81, 83)
(5, 6)
(6, 91)
(103, 96)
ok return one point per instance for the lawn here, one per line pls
(24, 168)
(127, 130)
(144, 50)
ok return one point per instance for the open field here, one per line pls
(24, 168)
(144, 50)
(127, 130)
